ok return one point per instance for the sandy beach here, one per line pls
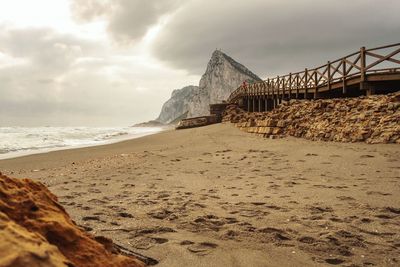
(216, 196)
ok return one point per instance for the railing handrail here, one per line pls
(332, 72)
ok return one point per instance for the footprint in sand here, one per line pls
(275, 235)
(159, 240)
(392, 210)
(162, 214)
(334, 261)
(186, 243)
(252, 213)
(202, 248)
(311, 155)
(378, 193)
(91, 218)
(319, 209)
(307, 239)
(125, 215)
(345, 198)
(94, 190)
(366, 156)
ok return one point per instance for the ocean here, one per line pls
(18, 141)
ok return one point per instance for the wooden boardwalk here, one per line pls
(365, 72)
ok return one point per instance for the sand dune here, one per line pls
(215, 196)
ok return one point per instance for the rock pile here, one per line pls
(36, 231)
(372, 119)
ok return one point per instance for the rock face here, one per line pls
(20, 248)
(36, 231)
(373, 119)
(177, 106)
(222, 76)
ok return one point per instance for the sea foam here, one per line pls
(16, 141)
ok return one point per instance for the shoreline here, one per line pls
(216, 196)
(29, 152)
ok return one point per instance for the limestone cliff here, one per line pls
(222, 76)
(178, 105)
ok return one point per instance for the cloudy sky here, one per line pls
(114, 62)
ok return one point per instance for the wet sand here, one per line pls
(215, 196)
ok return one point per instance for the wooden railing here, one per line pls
(357, 65)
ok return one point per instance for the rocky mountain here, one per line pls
(223, 75)
(178, 105)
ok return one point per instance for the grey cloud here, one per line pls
(87, 10)
(35, 89)
(128, 20)
(60, 79)
(275, 37)
(43, 47)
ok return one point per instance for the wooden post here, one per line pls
(362, 68)
(278, 85)
(315, 85)
(248, 104)
(344, 70)
(306, 84)
(329, 76)
(272, 90)
(297, 86)
(257, 104)
(264, 87)
(283, 88)
(363, 78)
(290, 86)
(265, 103)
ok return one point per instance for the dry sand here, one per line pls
(215, 196)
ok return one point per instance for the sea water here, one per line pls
(17, 141)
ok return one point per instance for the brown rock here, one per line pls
(47, 231)
(373, 119)
(21, 248)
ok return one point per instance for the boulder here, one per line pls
(35, 230)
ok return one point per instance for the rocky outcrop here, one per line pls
(21, 248)
(36, 231)
(373, 119)
(197, 122)
(222, 76)
(177, 106)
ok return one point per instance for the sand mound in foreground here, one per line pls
(36, 231)
(372, 119)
